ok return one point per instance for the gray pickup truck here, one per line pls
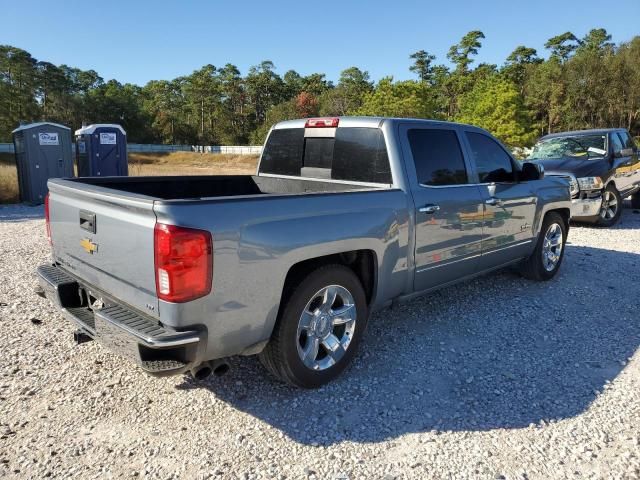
(344, 216)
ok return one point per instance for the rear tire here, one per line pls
(611, 209)
(319, 328)
(635, 200)
(544, 262)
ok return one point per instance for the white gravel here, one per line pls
(495, 378)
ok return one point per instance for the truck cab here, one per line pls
(603, 167)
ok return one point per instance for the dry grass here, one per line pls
(188, 163)
(174, 163)
(8, 179)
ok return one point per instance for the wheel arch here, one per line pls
(364, 263)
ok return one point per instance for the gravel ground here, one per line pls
(495, 378)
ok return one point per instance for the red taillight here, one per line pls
(322, 122)
(46, 218)
(184, 262)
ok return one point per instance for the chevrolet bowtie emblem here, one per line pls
(89, 246)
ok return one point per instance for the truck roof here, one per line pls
(592, 131)
(369, 122)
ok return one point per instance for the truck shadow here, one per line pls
(19, 212)
(496, 352)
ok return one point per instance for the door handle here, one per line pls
(429, 209)
(493, 201)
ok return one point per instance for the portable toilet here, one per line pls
(101, 150)
(42, 151)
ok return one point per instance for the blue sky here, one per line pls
(137, 41)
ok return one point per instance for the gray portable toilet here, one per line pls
(42, 151)
(101, 150)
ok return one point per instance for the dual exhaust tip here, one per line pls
(217, 368)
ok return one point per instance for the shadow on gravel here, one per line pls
(19, 213)
(497, 352)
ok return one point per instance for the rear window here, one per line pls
(355, 154)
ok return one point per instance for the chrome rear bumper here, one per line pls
(156, 349)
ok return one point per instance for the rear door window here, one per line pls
(492, 162)
(437, 157)
(353, 154)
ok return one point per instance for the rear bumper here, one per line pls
(585, 207)
(158, 350)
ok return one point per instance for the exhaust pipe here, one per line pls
(220, 367)
(80, 337)
(201, 372)
(217, 367)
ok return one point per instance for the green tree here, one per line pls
(19, 86)
(545, 93)
(349, 93)
(293, 84)
(277, 113)
(495, 104)
(461, 53)
(264, 89)
(562, 46)
(518, 64)
(597, 40)
(422, 65)
(398, 99)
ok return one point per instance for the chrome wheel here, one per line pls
(609, 207)
(552, 247)
(326, 327)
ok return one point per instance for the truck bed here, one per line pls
(196, 187)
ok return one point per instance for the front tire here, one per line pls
(544, 262)
(319, 328)
(635, 200)
(611, 209)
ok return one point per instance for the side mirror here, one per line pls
(531, 171)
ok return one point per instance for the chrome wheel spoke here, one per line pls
(310, 353)
(306, 321)
(335, 350)
(343, 315)
(329, 298)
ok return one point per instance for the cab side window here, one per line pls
(616, 143)
(437, 156)
(492, 162)
(627, 141)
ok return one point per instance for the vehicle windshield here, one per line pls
(577, 146)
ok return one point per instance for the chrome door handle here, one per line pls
(429, 209)
(493, 201)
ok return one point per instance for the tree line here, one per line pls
(583, 83)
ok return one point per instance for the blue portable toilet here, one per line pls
(43, 151)
(101, 150)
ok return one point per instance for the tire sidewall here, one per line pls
(299, 373)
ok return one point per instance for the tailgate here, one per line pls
(105, 238)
